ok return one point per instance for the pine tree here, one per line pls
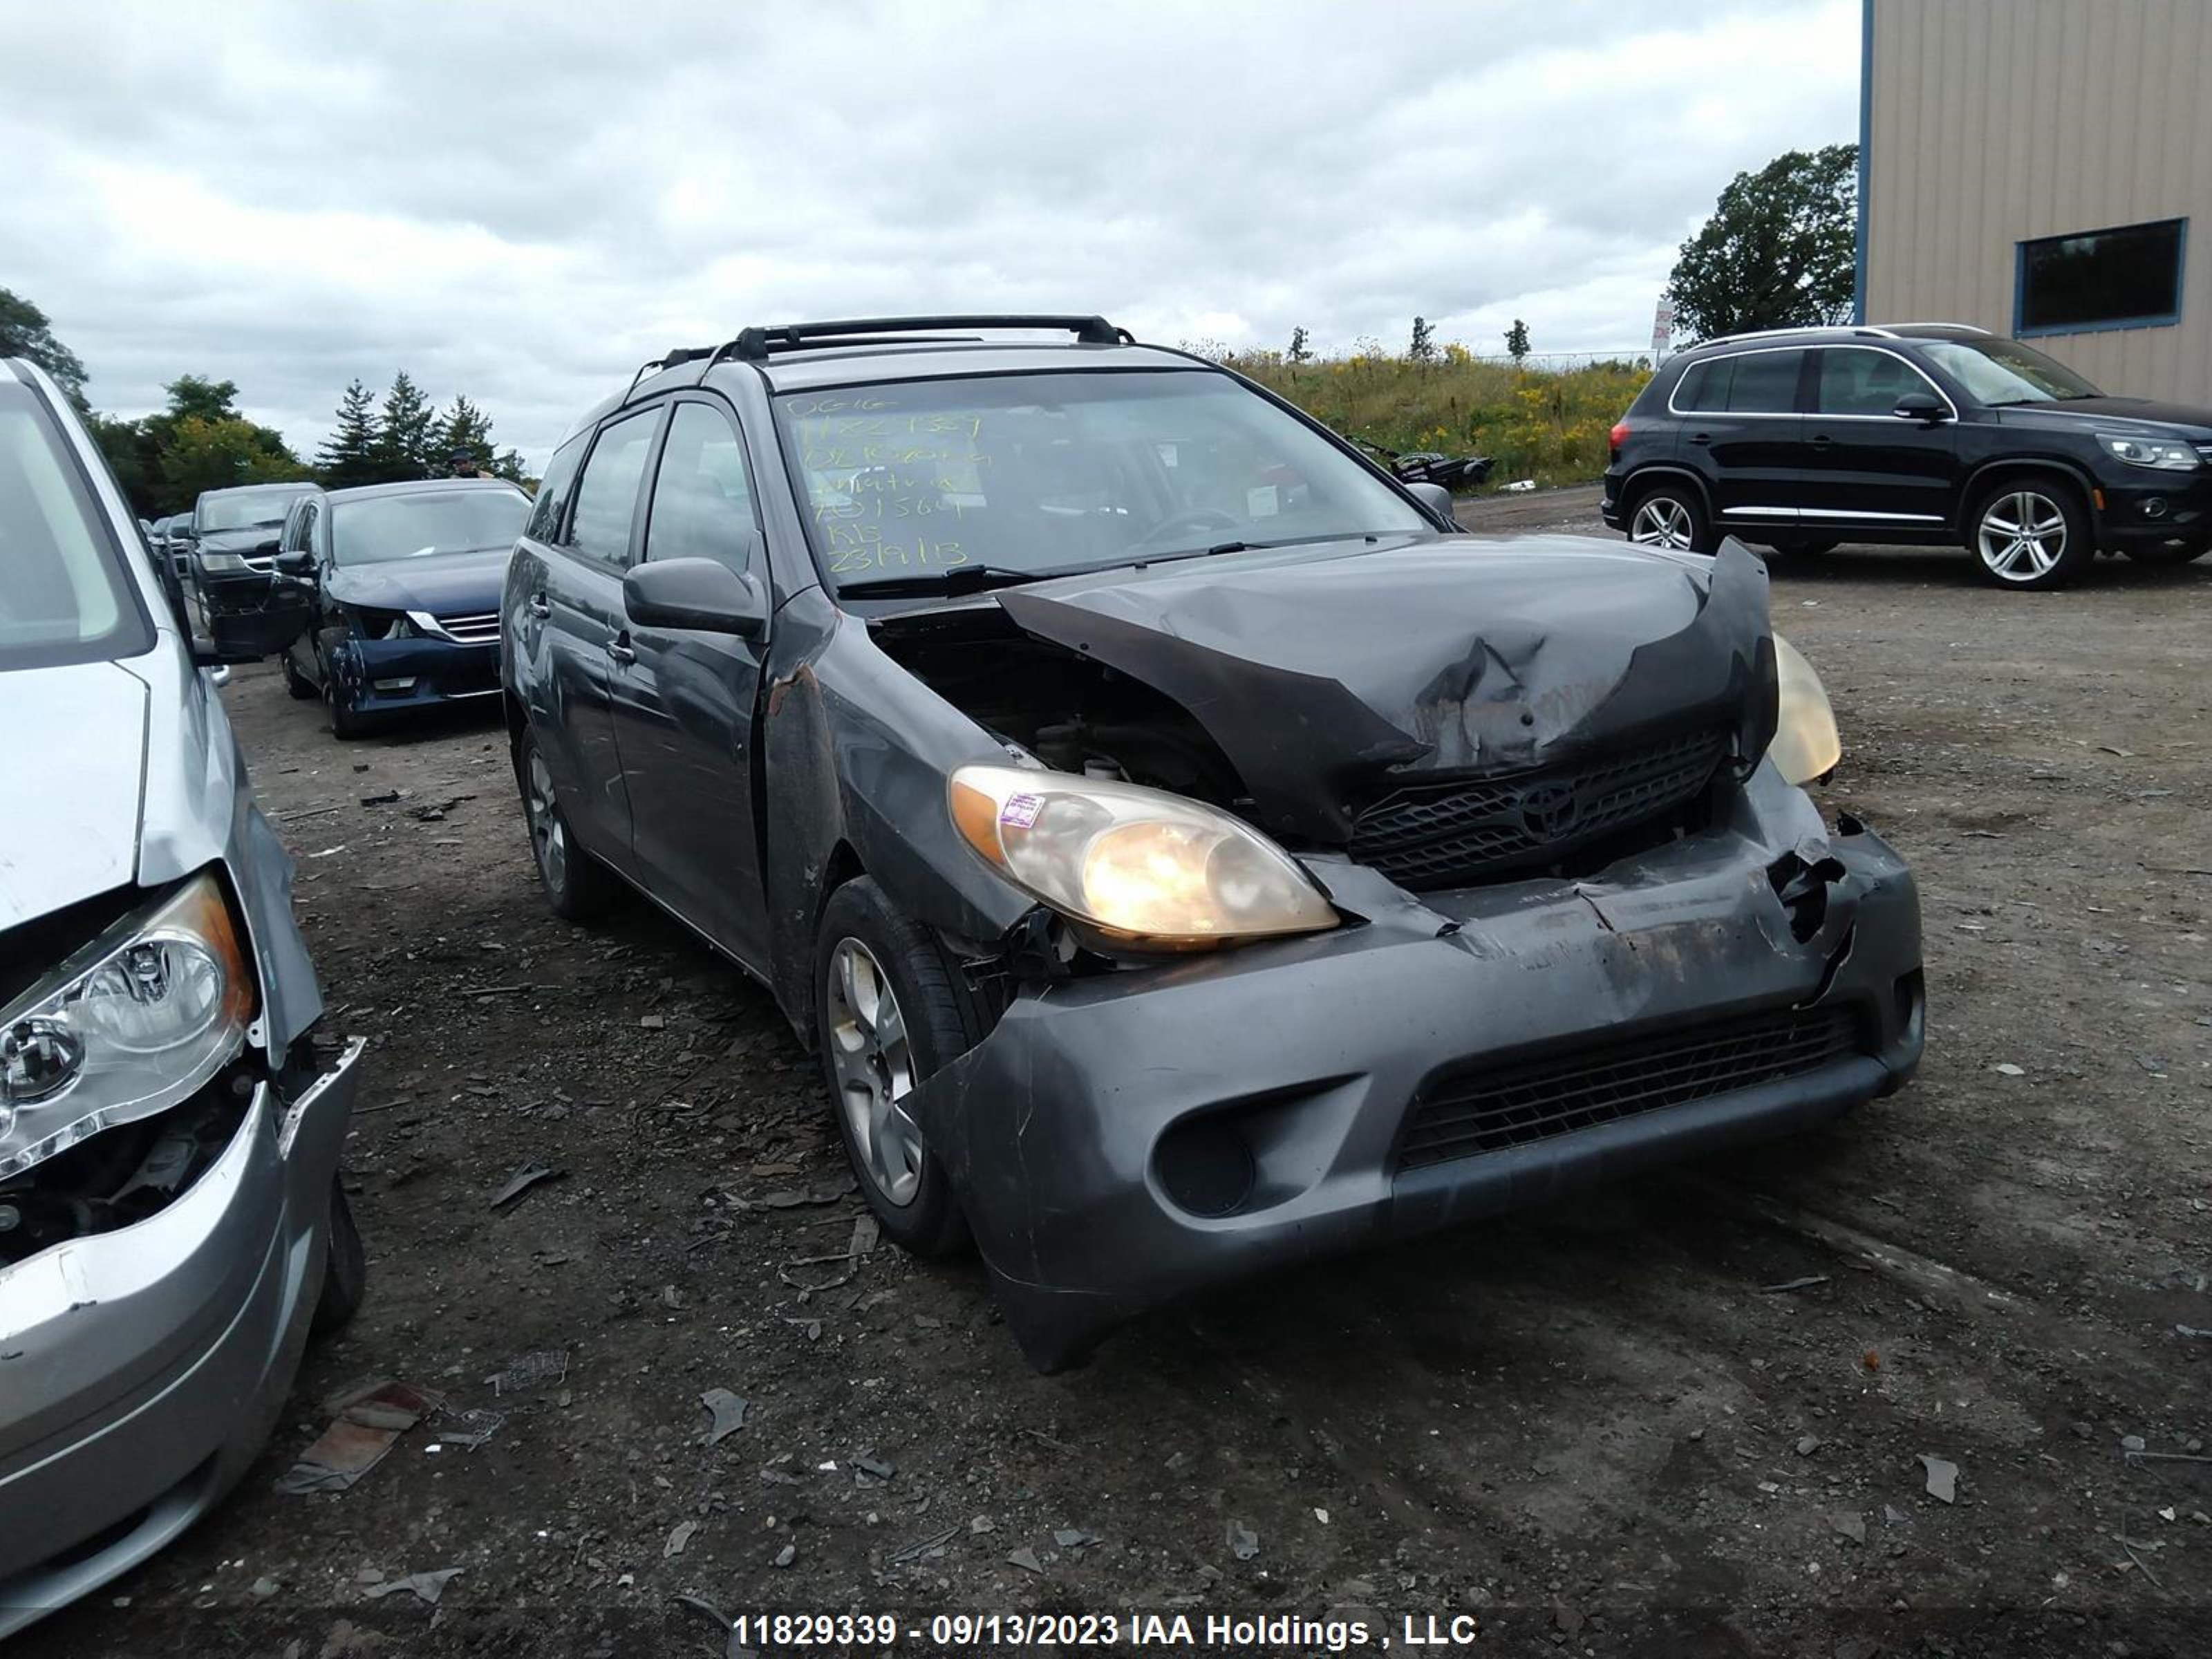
(403, 447)
(1424, 347)
(349, 455)
(1300, 351)
(1516, 340)
(463, 427)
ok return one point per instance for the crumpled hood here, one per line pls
(1322, 677)
(76, 756)
(443, 584)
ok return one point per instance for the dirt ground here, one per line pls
(1689, 1416)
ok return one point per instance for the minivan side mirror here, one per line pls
(297, 561)
(704, 595)
(1919, 406)
(1436, 498)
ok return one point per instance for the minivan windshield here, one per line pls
(1026, 475)
(379, 529)
(63, 595)
(2000, 372)
(257, 507)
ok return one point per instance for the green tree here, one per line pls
(1300, 351)
(24, 332)
(218, 455)
(1779, 251)
(1423, 348)
(462, 427)
(1517, 341)
(403, 447)
(349, 456)
(193, 396)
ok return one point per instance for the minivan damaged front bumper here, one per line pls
(1120, 1141)
(141, 1370)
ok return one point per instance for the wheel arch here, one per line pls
(1638, 483)
(1982, 478)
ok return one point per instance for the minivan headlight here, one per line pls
(2165, 454)
(1143, 866)
(129, 1027)
(1807, 744)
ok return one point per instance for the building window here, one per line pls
(2126, 277)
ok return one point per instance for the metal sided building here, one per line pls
(2043, 168)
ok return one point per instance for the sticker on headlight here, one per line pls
(1021, 811)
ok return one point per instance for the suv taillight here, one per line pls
(1619, 434)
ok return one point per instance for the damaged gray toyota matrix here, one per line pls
(171, 1224)
(1189, 853)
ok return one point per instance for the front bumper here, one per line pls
(390, 675)
(141, 1370)
(2145, 506)
(1070, 1130)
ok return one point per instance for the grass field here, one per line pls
(1550, 425)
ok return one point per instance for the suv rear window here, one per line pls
(1750, 383)
(65, 598)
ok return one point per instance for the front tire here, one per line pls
(346, 722)
(577, 885)
(888, 1015)
(1670, 518)
(2031, 533)
(301, 688)
(345, 1268)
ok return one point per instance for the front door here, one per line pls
(1870, 469)
(1742, 433)
(685, 701)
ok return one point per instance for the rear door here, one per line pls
(685, 701)
(577, 598)
(1867, 467)
(1742, 430)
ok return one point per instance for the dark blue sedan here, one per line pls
(407, 580)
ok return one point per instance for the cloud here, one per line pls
(523, 202)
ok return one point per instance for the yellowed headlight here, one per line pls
(1807, 744)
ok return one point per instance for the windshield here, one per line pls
(246, 509)
(1996, 371)
(1030, 475)
(64, 598)
(378, 529)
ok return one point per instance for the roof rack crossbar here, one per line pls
(667, 359)
(753, 345)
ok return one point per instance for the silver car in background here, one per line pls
(171, 1224)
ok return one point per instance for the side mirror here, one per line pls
(250, 636)
(297, 563)
(704, 595)
(1436, 498)
(1924, 406)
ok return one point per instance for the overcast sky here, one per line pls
(523, 202)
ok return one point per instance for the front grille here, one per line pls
(1448, 834)
(475, 627)
(1481, 1109)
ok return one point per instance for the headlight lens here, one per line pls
(131, 1026)
(1140, 866)
(224, 565)
(2165, 454)
(383, 625)
(1807, 744)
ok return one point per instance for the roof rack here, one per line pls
(1964, 328)
(667, 359)
(1801, 328)
(753, 345)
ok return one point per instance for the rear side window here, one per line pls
(1856, 381)
(553, 490)
(1755, 383)
(702, 501)
(606, 495)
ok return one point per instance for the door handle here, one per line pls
(1820, 440)
(539, 606)
(1701, 437)
(618, 649)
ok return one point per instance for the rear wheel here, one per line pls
(2031, 534)
(2169, 552)
(888, 1015)
(1670, 518)
(577, 885)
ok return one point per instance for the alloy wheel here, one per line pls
(549, 837)
(874, 1067)
(1662, 521)
(2022, 536)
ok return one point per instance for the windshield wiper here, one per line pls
(953, 578)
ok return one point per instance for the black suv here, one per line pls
(1924, 434)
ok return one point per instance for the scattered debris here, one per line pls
(389, 797)
(866, 1229)
(369, 1418)
(1807, 1444)
(2131, 1547)
(679, 1539)
(1518, 487)
(1850, 1523)
(651, 1022)
(932, 1545)
(1942, 1477)
(1026, 1560)
(2006, 1069)
(530, 1371)
(425, 1587)
(1804, 1284)
(811, 1328)
(529, 1175)
(2132, 1443)
(786, 1555)
(1074, 1538)
(467, 1430)
(727, 1410)
(1243, 1542)
(867, 1464)
(983, 1523)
